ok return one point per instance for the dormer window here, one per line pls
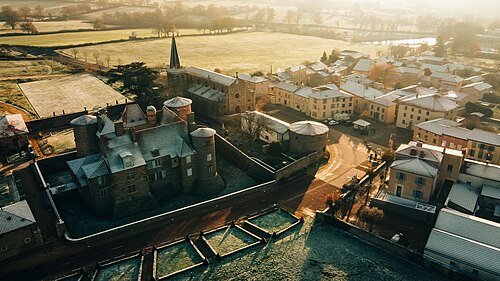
(127, 159)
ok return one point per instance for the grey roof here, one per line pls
(453, 79)
(273, 123)
(296, 68)
(470, 227)
(117, 147)
(203, 133)
(206, 92)
(88, 167)
(11, 125)
(362, 91)
(177, 102)
(283, 75)
(251, 79)
(286, 86)
(455, 96)
(108, 126)
(15, 216)
(415, 166)
(457, 248)
(84, 120)
(318, 66)
(481, 169)
(491, 191)
(404, 69)
(133, 116)
(485, 137)
(328, 94)
(479, 86)
(304, 92)
(434, 68)
(464, 195)
(362, 123)
(443, 126)
(432, 102)
(211, 75)
(364, 65)
(309, 128)
(169, 139)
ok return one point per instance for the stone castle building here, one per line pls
(129, 165)
(213, 94)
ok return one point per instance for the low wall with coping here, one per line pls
(298, 165)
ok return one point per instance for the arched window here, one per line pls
(237, 95)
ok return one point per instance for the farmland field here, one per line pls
(16, 68)
(47, 26)
(243, 52)
(62, 39)
(11, 94)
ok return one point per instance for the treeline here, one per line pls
(22, 17)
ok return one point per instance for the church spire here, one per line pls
(175, 61)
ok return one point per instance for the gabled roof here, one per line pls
(286, 86)
(118, 146)
(479, 86)
(442, 126)
(415, 166)
(283, 75)
(491, 191)
(296, 68)
(432, 102)
(364, 65)
(304, 92)
(206, 92)
(434, 68)
(94, 168)
(318, 66)
(328, 94)
(133, 116)
(108, 126)
(273, 123)
(251, 79)
(11, 125)
(464, 196)
(211, 75)
(15, 216)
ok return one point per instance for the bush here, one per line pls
(473, 107)
(491, 98)
(371, 216)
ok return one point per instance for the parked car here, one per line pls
(333, 123)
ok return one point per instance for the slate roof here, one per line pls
(464, 195)
(11, 125)
(177, 102)
(491, 191)
(485, 137)
(211, 75)
(15, 216)
(169, 139)
(286, 86)
(252, 79)
(453, 79)
(415, 166)
(296, 68)
(88, 167)
(206, 92)
(364, 65)
(434, 68)
(203, 133)
(84, 120)
(304, 92)
(479, 86)
(116, 147)
(404, 69)
(283, 75)
(442, 126)
(275, 124)
(108, 126)
(318, 66)
(481, 169)
(308, 128)
(328, 94)
(432, 102)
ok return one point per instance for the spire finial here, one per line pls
(175, 61)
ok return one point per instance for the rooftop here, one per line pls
(431, 102)
(485, 137)
(415, 166)
(11, 125)
(203, 133)
(211, 75)
(309, 128)
(206, 92)
(286, 86)
(273, 123)
(84, 120)
(177, 102)
(464, 196)
(15, 216)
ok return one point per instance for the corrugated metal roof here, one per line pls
(464, 195)
(491, 191)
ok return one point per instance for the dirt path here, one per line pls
(6, 108)
(31, 77)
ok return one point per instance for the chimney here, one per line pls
(119, 130)
(236, 75)
(421, 154)
(413, 152)
(419, 144)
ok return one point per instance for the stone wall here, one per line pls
(298, 165)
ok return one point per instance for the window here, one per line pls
(130, 175)
(27, 240)
(480, 154)
(399, 190)
(324, 106)
(383, 110)
(443, 143)
(209, 157)
(4, 248)
(101, 180)
(406, 107)
(189, 172)
(481, 146)
(333, 105)
(452, 263)
(472, 152)
(412, 109)
(188, 159)
(475, 272)
(417, 194)
(411, 116)
(337, 99)
(427, 113)
(450, 168)
(378, 108)
(175, 162)
(153, 164)
(491, 148)
(401, 176)
(103, 192)
(434, 141)
(128, 161)
(459, 147)
(419, 181)
(372, 106)
(474, 144)
(343, 105)
(404, 114)
(419, 111)
(237, 95)
(131, 188)
(210, 169)
(350, 104)
(418, 118)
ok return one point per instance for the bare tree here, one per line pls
(74, 52)
(252, 124)
(120, 61)
(85, 54)
(107, 58)
(96, 57)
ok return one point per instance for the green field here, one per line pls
(242, 52)
(16, 68)
(63, 39)
(48, 26)
(10, 93)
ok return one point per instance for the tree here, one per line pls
(39, 9)
(473, 107)
(254, 124)
(137, 80)
(382, 72)
(371, 216)
(388, 156)
(98, 24)
(28, 27)
(74, 52)
(324, 58)
(334, 56)
(11, 17)
(261, 13)
(96, 57)
(317, 18)
(24, 12)
(290, 15)
(107, 58)
(440, 47)
(85, 55)
(270, 14)
(398, 51)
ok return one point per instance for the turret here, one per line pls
(84, 130)
(151, 115)
(181, 106)
(204, 144)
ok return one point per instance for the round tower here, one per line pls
(84, 130)
(181, 106)
(151, 115)
(208, 180)
(307, 137)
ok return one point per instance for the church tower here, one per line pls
(176, 80)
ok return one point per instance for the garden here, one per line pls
(275, 221)
(230, 239)
(175, 257)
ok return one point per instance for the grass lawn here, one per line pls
(14, 68)
(48, 26)
(126, 270)
(274, 221)
(243, 52)
(176, 257)
(227, 240)
(62, 39)
(10, 93)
